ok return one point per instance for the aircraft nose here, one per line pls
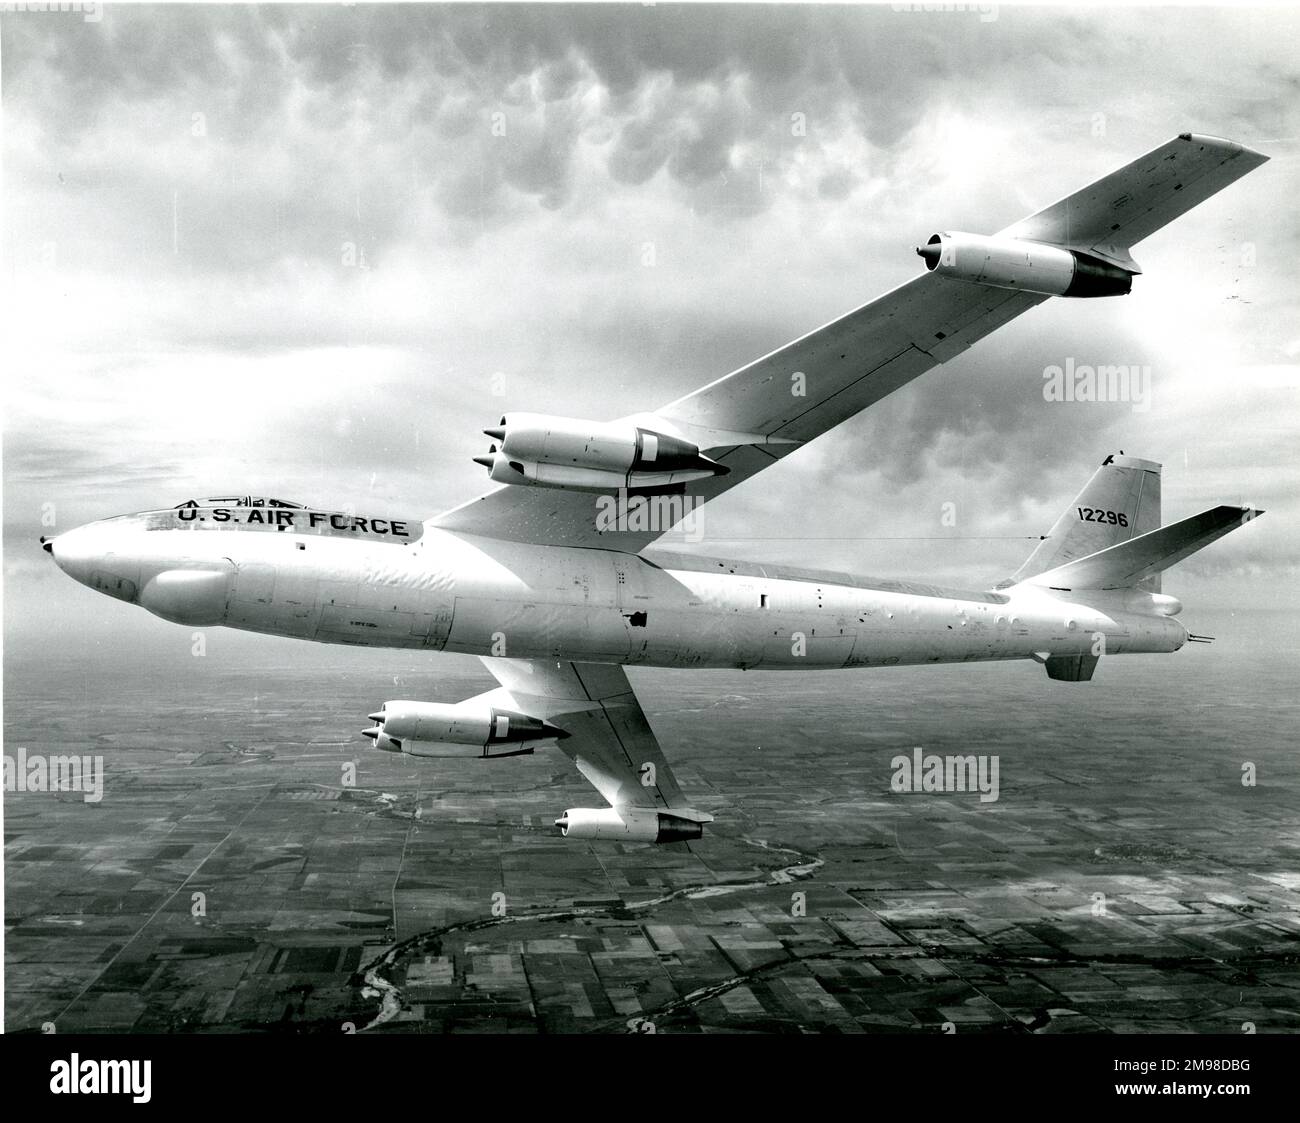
(73, 551)
(99, 557)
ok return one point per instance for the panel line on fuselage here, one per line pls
(698, 563)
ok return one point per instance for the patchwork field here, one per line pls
(236, 877)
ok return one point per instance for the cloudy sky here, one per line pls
(311, 251)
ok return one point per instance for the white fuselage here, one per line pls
(326, 577)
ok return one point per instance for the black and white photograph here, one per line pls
(626, 519)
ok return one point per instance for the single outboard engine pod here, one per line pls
(630, 824)
(1013, 263)
(564, 452)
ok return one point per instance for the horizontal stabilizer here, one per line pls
(1122, 566)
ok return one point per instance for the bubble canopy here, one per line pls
(240, 501)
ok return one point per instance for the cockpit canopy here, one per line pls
(240, 501)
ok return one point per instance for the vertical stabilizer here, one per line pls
(1121, 501)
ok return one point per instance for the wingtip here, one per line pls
(1253, 156)
(1223, 142)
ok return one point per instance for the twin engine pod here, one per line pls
(628, 824)
(543, 451)
(466, 729)
(1012, 263)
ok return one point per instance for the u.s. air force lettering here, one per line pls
(298, 520)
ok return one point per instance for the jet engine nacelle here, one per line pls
(465, 729)
(1012, 263)
(563, 452)
(630, 824)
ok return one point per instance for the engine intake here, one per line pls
(1012, 263)
(545, 451)
(466, 729)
